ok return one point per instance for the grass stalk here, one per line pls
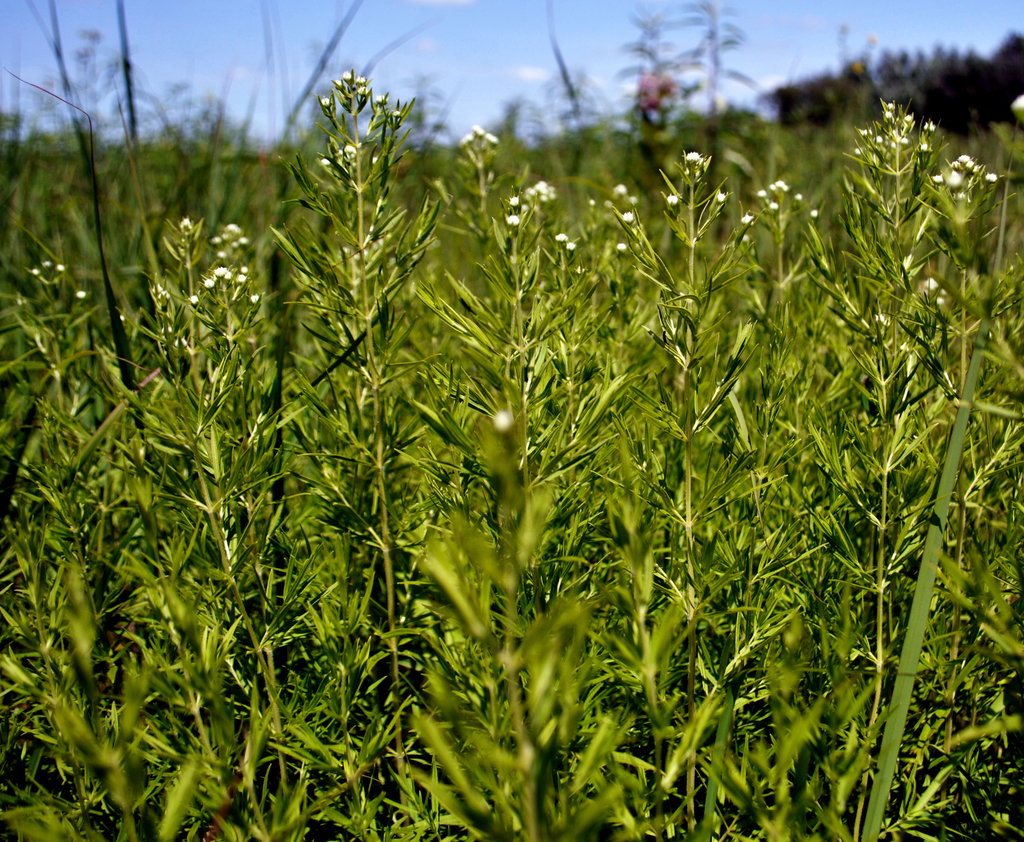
(910, 656)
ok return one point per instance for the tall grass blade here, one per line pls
(903, 689)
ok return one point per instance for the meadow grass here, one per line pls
(513, 492)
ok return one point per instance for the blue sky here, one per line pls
(474, 55)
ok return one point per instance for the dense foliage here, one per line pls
(461, 494)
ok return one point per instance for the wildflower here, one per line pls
(622, 247)
(773, 206)
(222, 254)
(209, 283)
(186, 224)
(542, 191)
(221, 272)
(47, 264)
(512, 219)
(503, 421)
(878, 139)
(593, 204)
(882, 319)
(856, 150)
(81, 294)
(194, 299)
(747, 219)
(694, 157)
(1017, 107)
(254, 297)
(930, 285)
(60, 266)
(992, 177)
(633, 200)
(513, 202)
(628, 217)
(620, 190)
(215, 241)
(799, 197)
(924, 146)
(325, 162)
(561, 238)
(244, 270)
(348, 76)
(954, 179)
(672, 199)
(762, 194)
(937, 179)
(350, 152)
(814, 213)
(570, 246)
(35, 272)
(721, 197)
(780, 185)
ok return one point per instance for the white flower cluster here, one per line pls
(229, 241)
(477, 137)
(540, 193)
(358, 84)
(964, 174)
(694, 166)
(564, 240)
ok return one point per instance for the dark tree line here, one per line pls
(957, 91)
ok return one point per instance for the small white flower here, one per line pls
(222, 272)
(633, 200)
(513, 202)
(1018, 108)
(46, 264)
(799, 197)
(991, 177)
(216, 241)
(593, 204)
(382, 99)
(81, 294)
(194, 299)
(747, 219)
(243, 241)
(879, 139)
(672, 199)
(209, 283)
(620, 190)
(694, 157)
(628, 217)
(360, 80)
(222, 254)
(881, 318)
(937, 179)
(762, 194)
(781, 185)
(348, 76)
(350, 152)
(721, 197)
(326, 162)
(622, 247)
(814, 214)
(254, 297)
(924, 146)
(60, 266)
(570, 246)
(491, 139)
(773, 206)
(35, 272)
(966, 160)
(244, 270)
(503, 421)
(561, 238)
(930, 284)
(856, 150)
(954, 179)
(512, 219)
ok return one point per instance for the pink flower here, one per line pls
(654, 90)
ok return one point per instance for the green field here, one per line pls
(629, 484)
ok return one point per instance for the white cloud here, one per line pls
(531, 74)
(426, 45)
